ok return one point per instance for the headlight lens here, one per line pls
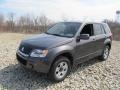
(39, 53)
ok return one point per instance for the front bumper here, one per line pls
(37, 64)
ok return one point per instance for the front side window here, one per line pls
(87, 29)
(64, 29)
(97, 29)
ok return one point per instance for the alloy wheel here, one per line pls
(61, 70)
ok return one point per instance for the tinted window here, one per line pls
(97, 29)
(87, 29)
(65, 29)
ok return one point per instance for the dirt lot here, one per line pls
(92, 75)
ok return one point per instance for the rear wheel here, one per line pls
(59, 69)
(105, 53)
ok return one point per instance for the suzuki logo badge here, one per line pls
(22, 49)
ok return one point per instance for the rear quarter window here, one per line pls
(106, 28)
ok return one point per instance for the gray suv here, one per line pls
(64, 45)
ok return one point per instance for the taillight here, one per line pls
(111, 36)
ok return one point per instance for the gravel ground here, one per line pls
(92, 75)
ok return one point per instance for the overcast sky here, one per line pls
(67, 9)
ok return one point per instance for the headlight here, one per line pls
(39, 53)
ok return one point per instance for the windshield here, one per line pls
(64, 29)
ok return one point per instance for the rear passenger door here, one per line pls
(99, 35)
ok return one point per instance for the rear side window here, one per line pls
(98, 29)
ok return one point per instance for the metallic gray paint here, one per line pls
(56, 45)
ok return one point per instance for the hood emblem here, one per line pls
(22, 49)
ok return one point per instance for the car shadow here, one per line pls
(17, 77)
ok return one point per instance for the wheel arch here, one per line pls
(108, 42)
(65, 54)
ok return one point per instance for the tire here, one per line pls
(105, 53)
(59, 69)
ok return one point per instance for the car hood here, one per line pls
(47, 41)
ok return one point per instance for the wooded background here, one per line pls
(39, 24)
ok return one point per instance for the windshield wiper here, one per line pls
(56, 34)
(53, 34)
(47, 33)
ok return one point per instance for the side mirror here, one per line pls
(84, 36)
(77, 38)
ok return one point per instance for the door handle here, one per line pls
(94, 39)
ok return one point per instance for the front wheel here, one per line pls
(60, 69)
(105, 53)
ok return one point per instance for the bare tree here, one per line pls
(11, 22)
(21, 23)
(26, 23)
(1, 19)
(44, 22)
(1, 22)
(36, 23)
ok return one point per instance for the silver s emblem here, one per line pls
(22, 49)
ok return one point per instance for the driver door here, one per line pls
(85, 48)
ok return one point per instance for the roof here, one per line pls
(84, 22)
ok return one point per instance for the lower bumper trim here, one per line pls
(39, 66)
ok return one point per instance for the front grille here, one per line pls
(21, 60)
(25, 49)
